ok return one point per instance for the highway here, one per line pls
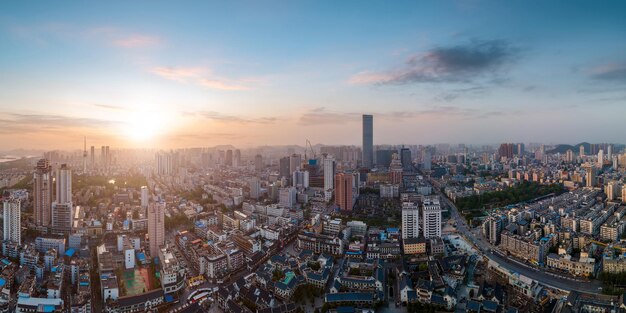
(544, 278)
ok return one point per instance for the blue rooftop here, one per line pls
(70, 252)
(169, 298)
(2, 282)
(141, 256)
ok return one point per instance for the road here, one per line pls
(544, 278)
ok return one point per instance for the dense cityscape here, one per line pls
(272, 156)
(510, 228)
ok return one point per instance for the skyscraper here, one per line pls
(581, 150)
(300, 179)
(410, 220)
(156, 227)
(64, 184)
(145, 196)
(164, 163)
(600, 158)
(258, 162)
(229, 157)
(93, 157)
(431, 217)
(62, 207)
(283, 167)
(42, 193)
(85, 156)
(344, 183)
(405, 157)
(255, 188)
(590, 175)
(329, 173)
(295, 162)
(368, 141)
(12, 221)
(237, 158)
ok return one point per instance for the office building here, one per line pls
(145, 196)
(92, 157)
(406, 159)
(329, 173)
(62, 218)
(295, 162)
(237, 158)
(258, 162)
(283, 167)
(600, 158)
(431, 218)
(344, 183)
(368, 141)
(581, 151)
(229, 157)
(156, 227)
(165, 165)
(590, 175)
(287, 197)
(12, 221)
(64, 184)
(255, 188)
(300, 178)
(42, 193)
(410, 220)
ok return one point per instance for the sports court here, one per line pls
(137, 281)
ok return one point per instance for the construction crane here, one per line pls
(308, 144)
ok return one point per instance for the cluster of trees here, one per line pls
(424, 307)
(613, 283)
(132, 181)
(474, 205)
(178, 220)
(306, 293)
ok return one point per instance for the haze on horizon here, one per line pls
(251, 73)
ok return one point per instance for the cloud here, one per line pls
(226, 118)
(136, 41)
(610, 73)
(38, 123)
(463, 63)
(321, 115)
(109, 107)
(200, 76)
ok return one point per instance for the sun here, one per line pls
(144, 125)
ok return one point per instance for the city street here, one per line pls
(548, 279)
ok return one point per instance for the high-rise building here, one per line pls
(62, 217)
(92, 157)
(492, 229)
(329, 173)
(432, 218)
(427, 160)
(405, 157)
(258, 163)
(64, 184)
(12, 221)
(611, 190)
(103, 160)
(624, 194)
(255, 188)
(590, 175)
(62, 207)
(145, 196)
(42, 193)
(581, 150)
(156, 227)
(295, 162)
(300, 179)
(410, 220)
(229, 157)
(287, 197)
(600, 158)
(506, 150)
(344, 183)
(368, 141)
(165, 165)
(283, 167)
(569, 156)
(609, 153)
(395, 170)
(237, 158)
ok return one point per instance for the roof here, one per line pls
(490, 306)
(70, 252)
(473, 305)
(349, 296)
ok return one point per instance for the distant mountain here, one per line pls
(562, 149)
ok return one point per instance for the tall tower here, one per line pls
(85, 155)
(12, 221)
(144, 196)
(432, 218)
(600, 158)
(329, 173)
(156, 227)
(93, 157)
(42, 193)
(62, 208)
(368, 140)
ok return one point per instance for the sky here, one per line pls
(251, 73)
